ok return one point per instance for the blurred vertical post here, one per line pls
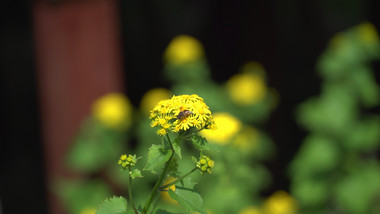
(78, 59)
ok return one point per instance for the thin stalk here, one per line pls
(154, 192)
(162, 188)
(130, 193)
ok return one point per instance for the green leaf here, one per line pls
(161, 212)
(318, 154)
(194, 159)
(93, 147)
(136, 173)
(187, 197)
(157, 156)
(177, 148)
(78, 195)
(114, 205)
(199, 142)
(358, 191)
(311, 192)
(364, 136)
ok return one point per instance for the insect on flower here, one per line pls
(183, 114)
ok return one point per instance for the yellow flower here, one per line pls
(248, 87)
(250, 210)
(165, 194)
(152, 97)
(227, 127)
(162, 132)
(127, 161)
(205, 164)
(280, 203)
(181, 113)
(183, 49)
(113, 110)
(88, 210)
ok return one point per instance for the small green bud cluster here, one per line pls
(127, 161)
(205, 164)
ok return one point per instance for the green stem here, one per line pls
(154, 192)
(162, 188)
(130, 192)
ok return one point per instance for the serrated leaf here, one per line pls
(157, 156)
(136, 174)
(177, 148)
(187, 197)
(199, 142)
(114, 205)
(194, 159)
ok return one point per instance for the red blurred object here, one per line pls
(78, 59)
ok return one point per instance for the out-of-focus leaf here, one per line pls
(79, 195)
(94, 147)
(197, 71)
(357, 191)
(365, 85)
(310, 192)
(364, 136)
(333, 113)
(114, 205)
(317, 154)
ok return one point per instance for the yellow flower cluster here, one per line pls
(228, 127)
(152, 97)
(127, 161)
(205, 164)
(249, 87)
(113, 111)
(181, 113)
(183, 49)
(280, 203)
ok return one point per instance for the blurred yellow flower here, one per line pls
(181, 113)
(247, 139)
(280, 203)
(183, 49)
(113, 110)
(367, 33)
(152, 97)
(88, 210)
(250, 210)
(248, 87)
(165, 194)
(227, 127)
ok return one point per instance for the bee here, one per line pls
(183, 114)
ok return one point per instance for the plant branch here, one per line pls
(130, 192)
(154, 192)
(162, 188)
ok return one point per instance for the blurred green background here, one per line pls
(311, 120)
